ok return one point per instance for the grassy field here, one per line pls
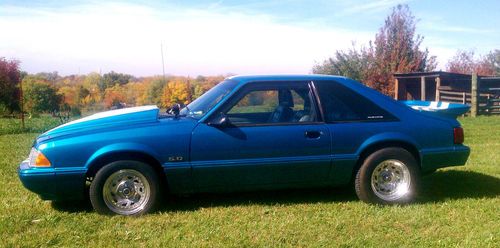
(458, 207)
(33, 125)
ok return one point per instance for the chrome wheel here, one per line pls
(126, 192)
(391, 180)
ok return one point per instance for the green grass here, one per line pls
(34, 125)
(458, 207)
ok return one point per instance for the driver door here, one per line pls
(274, 138)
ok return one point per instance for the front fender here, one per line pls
(122, 147)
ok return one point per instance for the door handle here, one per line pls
(312, 134)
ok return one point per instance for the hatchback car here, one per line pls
(246, 133)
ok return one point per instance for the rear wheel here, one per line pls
(125, 188)
(388, 176)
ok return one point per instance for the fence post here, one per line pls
(422, 88)
(474, 96)
(396, 89)
(438, 93)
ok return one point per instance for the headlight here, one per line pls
(37, 159)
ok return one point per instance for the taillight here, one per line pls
(458, 135)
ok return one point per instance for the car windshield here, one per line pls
(199, 107)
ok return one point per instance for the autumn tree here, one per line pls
(9, 86)
(466, 63)
(175, 91)
(396, 49)
(114, 96)
(92, 99)
(73, 97)
(70, 95)
(493, 58)
(135, 92)
(202, 84)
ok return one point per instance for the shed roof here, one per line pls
(431, 74)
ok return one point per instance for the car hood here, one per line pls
(119, 117)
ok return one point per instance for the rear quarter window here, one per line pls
(341, 104)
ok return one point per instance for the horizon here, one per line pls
(219, 38)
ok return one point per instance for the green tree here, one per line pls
(154, 91)
(112, 78)
(352, 64)
(40, 96)
(51, 77)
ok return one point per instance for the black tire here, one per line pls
(141, 172)
(391, 161)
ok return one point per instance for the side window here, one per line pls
(278, 104)
(261, 101)
(298, 101)
(343, 104)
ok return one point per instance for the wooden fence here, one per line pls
(488, 103)
(484, 96)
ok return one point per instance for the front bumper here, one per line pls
(53, 183)
(439, 158)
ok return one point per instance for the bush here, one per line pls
(76, 112)
(4, 110)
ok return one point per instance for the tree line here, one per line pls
(395, 49)
(52, 93)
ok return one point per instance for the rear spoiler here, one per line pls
(442, 109)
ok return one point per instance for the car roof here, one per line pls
(277, 77)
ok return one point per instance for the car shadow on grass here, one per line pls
(438, 187)
(82, 206)
(267, 197)
(454, 184)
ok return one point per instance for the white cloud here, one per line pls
(371, 6)
(127, 37)
(440, 27)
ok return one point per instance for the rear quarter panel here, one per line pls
(427, 134)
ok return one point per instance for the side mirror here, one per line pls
(174, 110)
(221, 121)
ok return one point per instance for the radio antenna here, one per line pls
(162, 61)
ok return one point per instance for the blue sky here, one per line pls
(219, 37)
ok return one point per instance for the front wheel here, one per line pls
(388, 176)
(125, 188)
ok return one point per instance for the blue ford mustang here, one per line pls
(246, 133)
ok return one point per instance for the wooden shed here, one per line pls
(482, 93)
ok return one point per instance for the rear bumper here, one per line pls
(52, 183)
(439, 158)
